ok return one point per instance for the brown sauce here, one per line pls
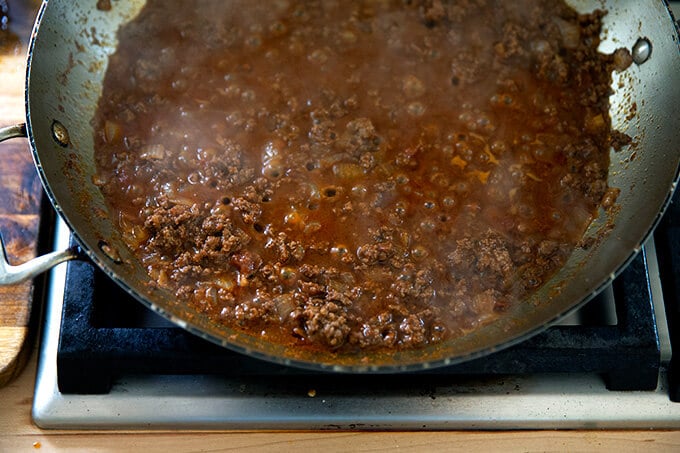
(345, 175)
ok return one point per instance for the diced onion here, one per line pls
(112, 131)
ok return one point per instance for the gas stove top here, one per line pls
(607, 366)
(108, 362)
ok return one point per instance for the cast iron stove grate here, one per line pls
(106, 334)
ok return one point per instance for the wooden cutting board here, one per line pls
(20, 197)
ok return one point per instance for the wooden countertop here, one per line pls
(19, 433)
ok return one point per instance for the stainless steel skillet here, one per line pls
(67, 61)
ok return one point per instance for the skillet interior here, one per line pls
(67, 62)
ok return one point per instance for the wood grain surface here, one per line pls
(20, 200)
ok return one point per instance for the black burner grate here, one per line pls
(667, 239)
(106, 334)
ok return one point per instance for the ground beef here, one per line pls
(349, 176)
(360, 137)
(325, 321)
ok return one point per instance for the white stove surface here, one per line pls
(560, 401)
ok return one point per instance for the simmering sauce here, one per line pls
(355, 175)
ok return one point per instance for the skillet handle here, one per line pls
(16, 131)
(9, 274)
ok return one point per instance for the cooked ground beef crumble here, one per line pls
(366, 174)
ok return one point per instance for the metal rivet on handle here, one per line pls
(110, 252)
(642, 50)
(60, 134)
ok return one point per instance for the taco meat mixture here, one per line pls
(370, 175)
